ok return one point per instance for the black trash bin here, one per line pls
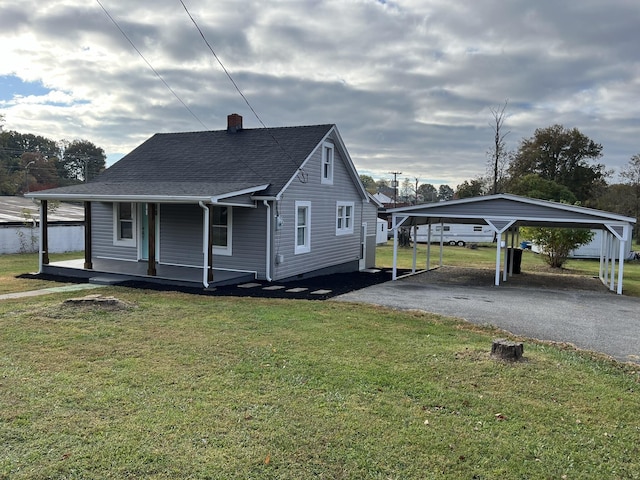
(516, 254)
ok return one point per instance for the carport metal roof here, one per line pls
(506, 213)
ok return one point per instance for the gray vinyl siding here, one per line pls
(370, 215)
(181, 234)
(327, 248)
(102, 234)
(248, 241)
(181, 238)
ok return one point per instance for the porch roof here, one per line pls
(152, 192)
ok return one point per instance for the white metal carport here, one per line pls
(505, 213)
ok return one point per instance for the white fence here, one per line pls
(21, 239)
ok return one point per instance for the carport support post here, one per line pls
(498, 245)
(415, 247)
(621, 266)
(613, 263)
(441, 241)
(394, 271)
(429, 246)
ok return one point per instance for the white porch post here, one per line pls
(205, 244)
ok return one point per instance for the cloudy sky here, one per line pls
(409, 83)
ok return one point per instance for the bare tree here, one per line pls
(631, 177)
(498, 152)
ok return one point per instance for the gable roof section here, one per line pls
(208, 165)
(521, 211)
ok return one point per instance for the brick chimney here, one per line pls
(234, 123)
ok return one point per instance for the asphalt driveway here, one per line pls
(602, 322)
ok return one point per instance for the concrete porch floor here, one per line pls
(115, 271)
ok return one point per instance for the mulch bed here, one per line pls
(338, 284)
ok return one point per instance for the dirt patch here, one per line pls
(556, 280)
(110, 303)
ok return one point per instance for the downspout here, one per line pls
(268, 263)
(205, 244)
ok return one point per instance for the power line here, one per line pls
(301, 174)
(151, 66)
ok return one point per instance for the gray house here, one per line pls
(224, 206)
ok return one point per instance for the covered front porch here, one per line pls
(118, 271)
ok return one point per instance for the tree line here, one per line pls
(555, 163)
(30, 162)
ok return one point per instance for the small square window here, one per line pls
(344, 218)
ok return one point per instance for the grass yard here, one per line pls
(187, 387)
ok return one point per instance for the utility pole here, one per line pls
(395, 187)
(417, 180)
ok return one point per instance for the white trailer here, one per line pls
(454, 234)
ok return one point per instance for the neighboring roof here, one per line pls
(382, 198)
(197, 166)
(504, 208)
(12, 210)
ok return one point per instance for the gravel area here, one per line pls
(556, 279)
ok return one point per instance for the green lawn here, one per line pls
(186, 387)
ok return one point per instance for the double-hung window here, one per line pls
(221, 230)
(124, 224)
(327, 163)
(344, 218)
(303, 227)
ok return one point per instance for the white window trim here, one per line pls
(306, 248)
(228, 250)
(328, 179)
(344, 230)
(125, 242)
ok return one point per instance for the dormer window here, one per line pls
(327, 163)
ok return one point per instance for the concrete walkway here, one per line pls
(46, 291)
(601, 322)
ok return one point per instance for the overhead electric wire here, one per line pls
(151, 66)
(303, 175)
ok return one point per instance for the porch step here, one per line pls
(109, 279)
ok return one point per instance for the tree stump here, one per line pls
(506, 350)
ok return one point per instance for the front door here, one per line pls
(144, 231)
(143, 226)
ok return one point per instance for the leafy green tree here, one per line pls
(428, 192)
(369, 183)
(534, 186)
(557, 243)
(445, 192)
(14, 175)
(82, 160)
(473, 188)
(563, 156)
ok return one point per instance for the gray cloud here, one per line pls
(409, 83)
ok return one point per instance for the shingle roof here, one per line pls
(208, 163)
